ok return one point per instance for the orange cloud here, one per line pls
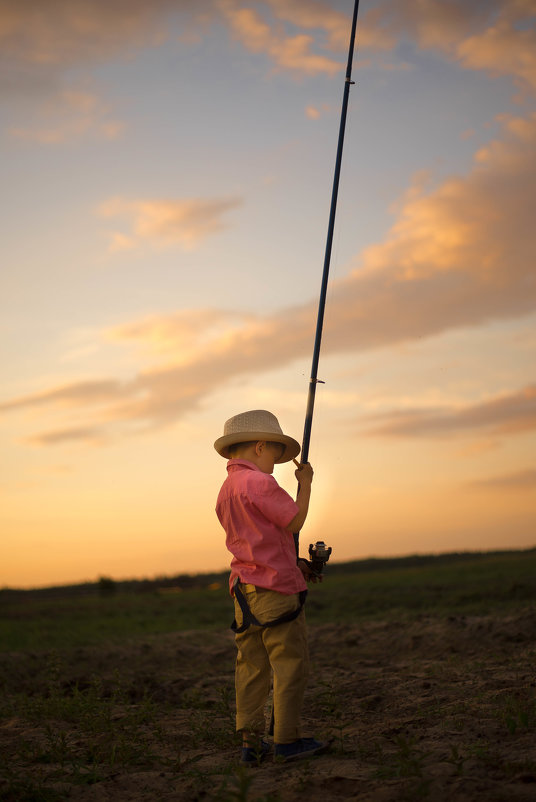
(40, 39)
(287, 52)
(179, 335)
(502, 50)
(315, 112)
(333, 24)
(497, 37)
(462, 255)
(185, 222)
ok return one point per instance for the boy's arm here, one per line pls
(304, 475)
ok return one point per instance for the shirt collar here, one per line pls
(241, 463)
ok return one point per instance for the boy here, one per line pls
(267, 582)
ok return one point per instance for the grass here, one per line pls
(444, 585)
(80, 715)
(34, 621)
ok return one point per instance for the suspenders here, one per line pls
(250, 620)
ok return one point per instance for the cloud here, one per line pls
(68, 395)
(158, 397)
(88, 435)
(181, 334)
(321, 44)
(185, 222)
(315, 112)
(497, 36)
(287, 52)
(461, 255)
(518, 481)
(334, 25)
(120, 242)
(40, 44)
(39, 41)
(514, 413)
(81, 31)
(69, 115)
(507, 46)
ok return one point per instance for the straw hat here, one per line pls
(258, 424)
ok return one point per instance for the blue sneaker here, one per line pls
(303, 747)
(254, 755)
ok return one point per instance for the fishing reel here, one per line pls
(319, 554)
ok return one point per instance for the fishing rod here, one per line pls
(313, 381)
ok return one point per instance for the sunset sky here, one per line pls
(166, 175)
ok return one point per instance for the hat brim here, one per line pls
(292, 447)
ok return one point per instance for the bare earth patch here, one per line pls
(435, 708)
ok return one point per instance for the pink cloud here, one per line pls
(512, 413)
(519, 481)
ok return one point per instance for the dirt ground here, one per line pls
(438, 709)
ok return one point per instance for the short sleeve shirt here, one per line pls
(254, 511)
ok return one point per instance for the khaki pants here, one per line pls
(280, 651)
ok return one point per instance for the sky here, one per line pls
(167, 172)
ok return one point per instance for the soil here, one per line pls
(435, 708)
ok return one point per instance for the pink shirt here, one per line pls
(254, 512)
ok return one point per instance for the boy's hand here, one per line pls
(304, 475)
(304, 472)
(307, 571)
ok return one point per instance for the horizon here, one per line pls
(394, 558)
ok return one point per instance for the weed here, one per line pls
(237, 786)
(330, 705)
(481, 752)
(225, 704)
(406, 761)
(30, 791)
(57, 749)
(518, 712)
(408, 757)
(456, 759)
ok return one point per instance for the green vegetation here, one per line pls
(451, 584)
(422, 672)
(91, 614)
(42, 622)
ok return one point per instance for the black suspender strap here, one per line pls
(250, 620)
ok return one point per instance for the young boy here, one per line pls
(267, 582)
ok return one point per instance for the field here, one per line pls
(423, 677)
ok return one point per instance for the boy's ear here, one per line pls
(259, 447)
